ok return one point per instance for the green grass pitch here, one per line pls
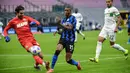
(15, 59)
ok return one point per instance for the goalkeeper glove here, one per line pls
(32, 23)
(7, 38)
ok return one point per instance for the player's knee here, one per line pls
(40, 55)
(129, 34)
(99, 43)
(112, 45)
(101, 39)
(57, 52)
(59, 47)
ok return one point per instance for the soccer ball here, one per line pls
(35, 50)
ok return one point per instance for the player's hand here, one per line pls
(7, 38)
(39, 26)
(116, 29)
(54, 33)
(58, 20)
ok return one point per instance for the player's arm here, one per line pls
(7, 28)
(119, 18)
(9, 25)
(117, 14)
(33, 21)
(81, 19)
(69, 26)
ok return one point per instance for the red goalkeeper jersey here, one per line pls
(21, 27)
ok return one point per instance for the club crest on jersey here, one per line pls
(68, 20)
(22, 24)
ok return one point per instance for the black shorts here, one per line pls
(69, 46)
(128, 30)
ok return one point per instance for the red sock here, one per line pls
(38, 60)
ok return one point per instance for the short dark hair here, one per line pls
(18, 8)
(111, 0)
(67, 6)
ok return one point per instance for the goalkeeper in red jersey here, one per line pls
(21, 24)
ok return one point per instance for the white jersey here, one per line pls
(1, 24)
(110, 18)
(78, 16)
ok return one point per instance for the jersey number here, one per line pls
(71, 47)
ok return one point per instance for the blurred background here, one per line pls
(45, 12)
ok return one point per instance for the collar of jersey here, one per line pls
(110, 7)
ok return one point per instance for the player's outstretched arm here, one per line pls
(33, 21)
(69, 26)
(7, 38)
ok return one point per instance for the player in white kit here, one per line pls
(1, 24)
(109, 29)
(79, 19)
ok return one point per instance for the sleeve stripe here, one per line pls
(117, 14)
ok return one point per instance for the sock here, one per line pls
(72, 62)
(75, 36)
(118, 47)
(129, 39)
(38, 60)
(98, 49)
(54, 59)
(119, 28)
(81, 34)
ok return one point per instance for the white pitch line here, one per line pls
(57, 63)
(26, 55)
(16, 68)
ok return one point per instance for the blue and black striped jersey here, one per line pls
(67, 34)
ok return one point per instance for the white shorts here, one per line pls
(0, 29)
(110, 33)
(78, 26)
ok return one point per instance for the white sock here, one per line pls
(98, 49)
(75, 36)
(118, 47)
(81, 34)
(44, 64)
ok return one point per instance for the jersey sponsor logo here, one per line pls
(67, 23)
(22, 24)
(68, 20)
